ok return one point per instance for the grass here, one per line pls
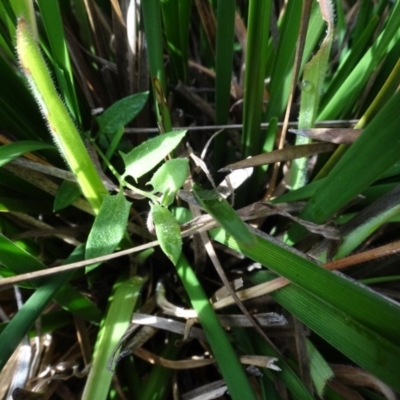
(109, 152)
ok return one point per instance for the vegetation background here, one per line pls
(107, 133)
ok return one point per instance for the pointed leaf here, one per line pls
(66, 194)
(146, 156)
(122, 112)
(13, 150)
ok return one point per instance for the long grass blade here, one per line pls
(256, 60)
(228, 362)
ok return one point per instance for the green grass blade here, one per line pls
(55, 288)
(356, 80)
(387, 77)
(122, 303)
(51, 15)
(364, 15)
(223, 212)
(383, 149)
(59, 122)
(362, 345)
(281, 74)
(350, 62)
(176, 18)
(256, 60)
(320, 370)
(19, 261)
(374, 311)
(21, 323)
(315, 29)
(312, 85)
(368, 221)
(235, 378)
(151, 10)
(160, 377)
(49, 322)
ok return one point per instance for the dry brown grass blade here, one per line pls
(353, 376)
(206, 13)
(258, 361)
(42, 182)
(331, 135)
(263, 126)
(203, 106)
(286, 154)
(386, 250)
(101, 31)
(213, 390)
(88, 82)
(121, 47)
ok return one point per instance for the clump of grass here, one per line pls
(134, 96)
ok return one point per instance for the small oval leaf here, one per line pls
(147, 155)
(170, 176)
(108, 227)
(168, 232)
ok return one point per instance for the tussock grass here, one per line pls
(131, 92)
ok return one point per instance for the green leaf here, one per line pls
(168, 232)
(182, 214)
(221, 346)
(21, 323)
(350, 297)
(147, 155)
(50, 14)
(348, 335)
(222, 212)
(121, 112)
(176, 21)
(122, 302)
(320, 370)
(66, 194)
(9, 152)
(256, 60)
(108, 227)
(55, 288)
(170, 176)
(315, 72)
